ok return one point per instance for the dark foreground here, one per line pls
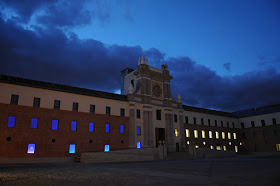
(227, 171)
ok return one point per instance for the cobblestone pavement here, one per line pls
(227, 171)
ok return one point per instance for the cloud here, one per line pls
(227, 66)
(49, 55)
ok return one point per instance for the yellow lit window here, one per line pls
(225, 148)
(234, 135)
(240, 143)
(236, 148)
(211, 147)
(229, 135)
(195, 133)
(278, 147)
(223, 135)
(176, 133)
(196, 146)
(218, 147)
(229, 143)
(217, 135)
(188, 142)
(204, 143)
(187, 133)
(210, 134)
(203, 134)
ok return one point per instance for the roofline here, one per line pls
(61, 88)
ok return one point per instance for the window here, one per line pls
(196, 146)
(194, 120)
(188, 142)
(107, 127)
(202, 121)
(263, 123)
(195, 133)
(158, 114)
(211, 147)
(217, 135)
(225, 148)
(234, 136)
(274, 121)
(108, 110)
(229, 135)
(233, 125)
(236, 148)
(227, 124)
(73, 125)
(216, 123)
(222, 124)
(176, 133)
(204, 143)
(203, 134)
(175, 118)
(223, 135)
(122, 112)
(106, 148)
(218, 147)
(54, 124)
(92, 108)
(209, 122)
(187, 133)
(34, 123)
(31, 148)
(75, 106)
(242, 125)
(186, 119)
(252, 123)
(278, 147)
(56, 104)
(138, 113)
(91, 126)
(138, 130)
(72, 149)
(11, 121)
(138, 145)
(36, 102)
(121, 128)
(14, 99)
(210, 134)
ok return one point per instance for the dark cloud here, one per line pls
(49, 55)
(25, 8)
(227, 66)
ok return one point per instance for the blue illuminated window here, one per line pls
(73, 125)
(54, 124)
(72, 148)
(34, 123)
(11, 121)
(91, 127)
(107, 127)
(121, 128)
(138, 130)
(106, 148)
(138, 145)
(31, 148)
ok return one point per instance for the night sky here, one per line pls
(223, 55)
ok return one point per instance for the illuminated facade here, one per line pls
(40, 119)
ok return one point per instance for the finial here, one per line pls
(179, 98)
(146, 60)
(139, 60)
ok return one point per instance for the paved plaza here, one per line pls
(223, 171)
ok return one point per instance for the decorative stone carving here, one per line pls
(157, 90)
(130, 89)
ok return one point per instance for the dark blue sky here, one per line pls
(223, 55)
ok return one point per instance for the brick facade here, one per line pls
(22, 134)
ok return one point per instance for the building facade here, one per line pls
(40, 119)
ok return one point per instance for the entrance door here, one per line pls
(160, 135)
